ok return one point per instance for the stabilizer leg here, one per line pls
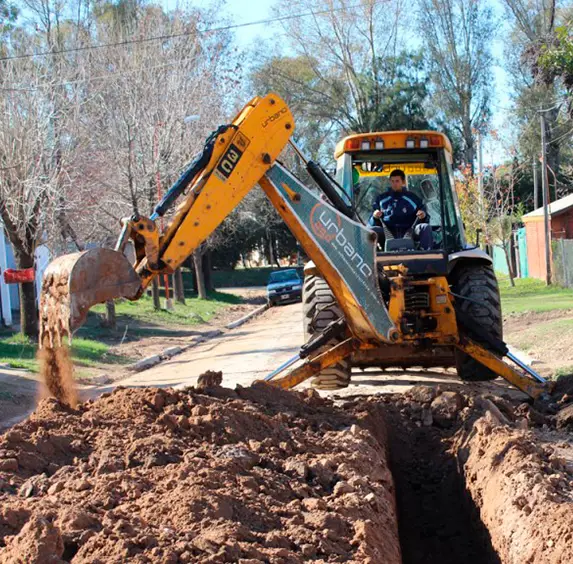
(534, 388)
(313, 366)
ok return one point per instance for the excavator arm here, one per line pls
(236, 158)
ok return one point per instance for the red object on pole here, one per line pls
(13, 276)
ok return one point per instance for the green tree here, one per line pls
(397, 102)
(8, 15)
(537, 84)
(457, 36)
(555, 61)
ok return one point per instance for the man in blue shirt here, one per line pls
(398, 209)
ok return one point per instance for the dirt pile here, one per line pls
(150, 475)
(494, 473)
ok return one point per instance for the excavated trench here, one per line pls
(481, 478)
(438, 521)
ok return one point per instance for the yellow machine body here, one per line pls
(241, 156)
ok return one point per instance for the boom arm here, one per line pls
(235, 159)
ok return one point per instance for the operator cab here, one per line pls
(363, 166)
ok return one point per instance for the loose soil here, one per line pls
(149, 475)
(262, 475)
(56, 368)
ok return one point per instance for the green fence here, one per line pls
(563, 262)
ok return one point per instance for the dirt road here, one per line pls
(250, 351)
(255, 349)
(18, 394)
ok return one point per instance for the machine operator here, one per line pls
(399, 208)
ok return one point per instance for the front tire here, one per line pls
(477, 282)
(319, 309)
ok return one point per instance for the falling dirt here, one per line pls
(56, 368)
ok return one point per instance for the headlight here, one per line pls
(297, 287)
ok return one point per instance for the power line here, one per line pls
(185, 33)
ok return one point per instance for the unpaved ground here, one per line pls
(18, 395)
(20, 389)
(157, 339)
(260, 475)
(544, 336)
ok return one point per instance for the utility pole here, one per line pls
(545, 188)
(480, 168)
(535, 185)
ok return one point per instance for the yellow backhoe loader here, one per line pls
(363, 305)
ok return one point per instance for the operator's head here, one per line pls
(397, 180)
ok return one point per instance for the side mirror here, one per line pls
(478, 232)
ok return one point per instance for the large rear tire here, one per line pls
(478, 283)
(319, 309)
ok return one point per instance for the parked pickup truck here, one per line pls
(284, 286)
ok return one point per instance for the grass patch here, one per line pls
(530, 294)
(193, 312)
(19, 351)
(92, 343)
(563, 372)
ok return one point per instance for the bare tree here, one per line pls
(150, 106)
(457, 35)
(339, 56)
(534, 23)
(503, 211)
(33, 168)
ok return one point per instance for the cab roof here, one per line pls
(384, 140)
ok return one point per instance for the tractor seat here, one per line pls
(399, 245)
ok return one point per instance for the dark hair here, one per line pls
(398, 172)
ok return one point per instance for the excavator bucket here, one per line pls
(73, 283)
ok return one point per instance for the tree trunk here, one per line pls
(469, 149)
(178, 289)
(201, 290)
(276, 252)
(110, 317)
(271, 250)
(155, 294)
(190, 264)
(506, 250)
(207, 272)
(27, 293)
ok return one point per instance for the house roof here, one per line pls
(555, 208)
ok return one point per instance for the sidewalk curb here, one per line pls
(155, 359)
(247, 317)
